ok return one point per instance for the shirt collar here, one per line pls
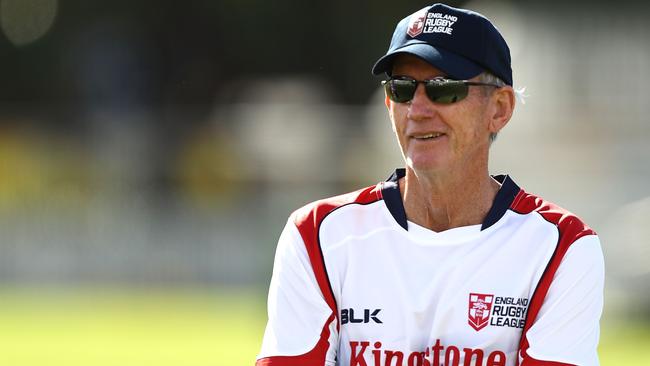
(503, 200)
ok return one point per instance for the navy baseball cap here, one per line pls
(462, 43)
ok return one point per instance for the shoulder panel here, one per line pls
(308, 220)
(570, 228)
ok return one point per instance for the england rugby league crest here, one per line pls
(480, 306)
(416, 23)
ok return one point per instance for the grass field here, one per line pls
(180, 327)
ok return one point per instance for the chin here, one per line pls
(426, 165)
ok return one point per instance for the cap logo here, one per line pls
(424, 22)
(416, 23)
(439, 23)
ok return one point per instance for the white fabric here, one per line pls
(296, 308)
(565, 330)
(421, 283)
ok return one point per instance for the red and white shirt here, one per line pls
(355, 283)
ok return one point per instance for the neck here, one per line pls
(447, 200)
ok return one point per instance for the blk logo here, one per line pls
(347, 316)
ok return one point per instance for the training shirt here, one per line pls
(355, 283)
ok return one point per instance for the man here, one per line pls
(442, 264)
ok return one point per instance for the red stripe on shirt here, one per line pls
(308, 221)
(570, 228)
(314, 357)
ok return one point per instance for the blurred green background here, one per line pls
(183, 326)
(151, 151)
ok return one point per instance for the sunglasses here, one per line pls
(401, 89)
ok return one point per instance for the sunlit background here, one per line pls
(151, 151)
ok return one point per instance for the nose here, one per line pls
(420, 107)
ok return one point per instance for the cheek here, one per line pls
(469, 133)
(471, 128)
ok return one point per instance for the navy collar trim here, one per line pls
(503, 200)
(393, 197)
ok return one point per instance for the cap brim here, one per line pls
(450, 63)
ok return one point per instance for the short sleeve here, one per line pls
(566, 329)
(301, 328)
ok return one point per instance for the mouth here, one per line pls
(428, 136)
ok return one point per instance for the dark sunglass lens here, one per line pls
(400, 91)
(447, 92)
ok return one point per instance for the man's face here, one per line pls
(462, 128)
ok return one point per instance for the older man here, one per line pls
(442, 264)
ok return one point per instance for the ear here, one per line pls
(502, 105)
(387, 103)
